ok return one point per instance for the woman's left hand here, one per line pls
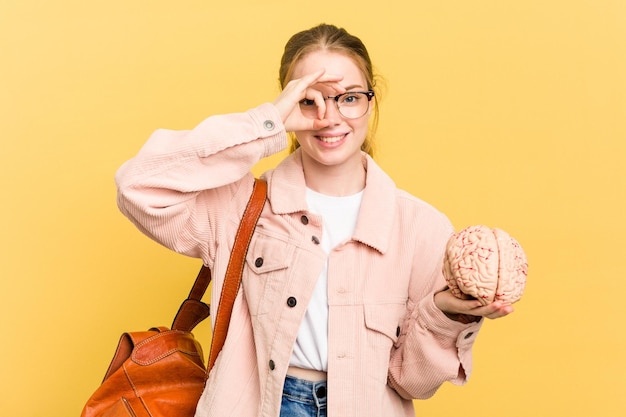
(458, 309)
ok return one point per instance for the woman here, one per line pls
(343, 307)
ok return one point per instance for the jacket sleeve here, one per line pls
(181, 182)
(431, 348)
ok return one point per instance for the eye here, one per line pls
(350, 98)
(307, 102)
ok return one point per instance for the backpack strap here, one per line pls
(192, 311)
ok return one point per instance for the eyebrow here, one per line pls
(353, 86)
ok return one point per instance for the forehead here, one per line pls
(334, 63)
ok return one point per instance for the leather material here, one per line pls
(233, 275)
(161, 372)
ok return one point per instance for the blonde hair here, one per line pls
(331, 38)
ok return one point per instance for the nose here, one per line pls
(332, 111)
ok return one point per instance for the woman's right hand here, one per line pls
(307, 87)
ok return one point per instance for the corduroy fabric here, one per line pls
(388, 342)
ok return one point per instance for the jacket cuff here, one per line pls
(426, 315)
(270, 128)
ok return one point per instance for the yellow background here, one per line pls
(506, 113)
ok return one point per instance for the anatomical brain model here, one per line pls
(486, 264)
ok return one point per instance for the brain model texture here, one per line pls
(486, 264)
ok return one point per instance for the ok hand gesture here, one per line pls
(308, 87)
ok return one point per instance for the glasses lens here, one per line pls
(353, 105)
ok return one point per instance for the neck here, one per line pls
(337, 181)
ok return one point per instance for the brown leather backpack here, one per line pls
(161, 372)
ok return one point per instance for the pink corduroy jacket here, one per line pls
(387, 342)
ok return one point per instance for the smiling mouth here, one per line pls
(331, 139)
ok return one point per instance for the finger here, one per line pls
(338, 88)
(334, 86)
(329, 78)
(312, 78)
(484, 310)
(502, 311)
(299, 86)
(318, 99)
(448, 303)
(320, 77)
(496, 310)
(320, 124)
(469, 306)
(328, 81)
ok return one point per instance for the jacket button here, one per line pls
(272, 365)
(268, 125)
(304, 219)
(398, 332)
(291, 302)
(315, 240)
(258, 262)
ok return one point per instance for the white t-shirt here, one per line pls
(339, 217)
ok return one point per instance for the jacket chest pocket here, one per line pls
(267, 263)
(382, 322)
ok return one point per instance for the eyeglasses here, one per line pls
(351, 105)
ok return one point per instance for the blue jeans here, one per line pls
(303, 398)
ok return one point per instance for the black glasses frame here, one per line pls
(369, 94)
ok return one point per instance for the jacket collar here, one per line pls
(287, 195)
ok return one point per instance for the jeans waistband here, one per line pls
(306, 391)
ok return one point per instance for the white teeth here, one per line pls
(331, 139)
